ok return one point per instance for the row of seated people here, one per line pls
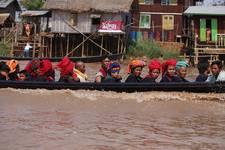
(70, 72)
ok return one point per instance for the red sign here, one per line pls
(110, 26)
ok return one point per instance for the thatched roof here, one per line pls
(89, 5)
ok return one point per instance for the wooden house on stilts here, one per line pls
(207, 24)
(87, 28)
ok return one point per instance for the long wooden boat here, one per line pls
(218, 87)
(87, 59)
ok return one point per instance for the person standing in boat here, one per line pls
(169, 71)
(204, 71)
(46, 71)
(4, 71)
(14, 69)
(66, 66)
(154, 71)
(79, 70)
(217, 73)
(181, 70)
(134, 71)
(102, 73)
(113, 74)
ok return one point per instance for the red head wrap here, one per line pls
(66, 66)
(154, 64)
(170, 62)
(45, 66)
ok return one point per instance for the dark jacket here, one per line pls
(148, 79)
(201, 78)
(166, 78)
(133, 79)
(110, 79)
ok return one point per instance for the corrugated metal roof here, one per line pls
(205, 10)
(5, 3)
(3, 17)
(33, 13)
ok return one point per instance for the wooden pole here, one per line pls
(121, 49)
(42, 46)
(67, 45)
(102, 42)
(74, 28)
(82, 53)
(50, 47)
(34, 46)
(118, 44)
(61, 46)
(79, 44)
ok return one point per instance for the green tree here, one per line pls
(32, 4)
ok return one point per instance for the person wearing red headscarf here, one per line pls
(169, 71)
(134, 71)
(46, 71)
(66, 66)
(154, 71)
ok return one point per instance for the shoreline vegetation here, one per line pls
(150, 49)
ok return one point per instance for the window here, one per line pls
(147, 2)
(168, 22)
(144, 21)
(95, 19)
(168, 2)
(73, 19)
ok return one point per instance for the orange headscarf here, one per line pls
(12, 65)
(134, 64)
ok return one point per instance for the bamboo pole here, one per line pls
(67, 45)
(80, 44)
(34, 46)
(82, 53)
(74, 28)
(50, 47)
(118, 44)
(102, 42)
(122, 43)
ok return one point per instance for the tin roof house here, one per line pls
(207, 23)
(87, 28)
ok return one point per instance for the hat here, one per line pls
(114, 67)
(154, 64)
(169, 62)
(180, 64)
(134, 64)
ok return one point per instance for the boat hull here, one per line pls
(119, 87)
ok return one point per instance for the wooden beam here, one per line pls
(82, 53)
(102, 42)
(74, 28)
(118, 44)
(67, 43)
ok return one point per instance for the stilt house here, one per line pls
(207, 23)
(87, 27)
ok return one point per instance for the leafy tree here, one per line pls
(32, 4)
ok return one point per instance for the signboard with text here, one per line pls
(110, 26)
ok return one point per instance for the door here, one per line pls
(214, 30)
(203, 30)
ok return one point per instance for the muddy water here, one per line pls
(94, 120)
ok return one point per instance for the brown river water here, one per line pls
(96, 120)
